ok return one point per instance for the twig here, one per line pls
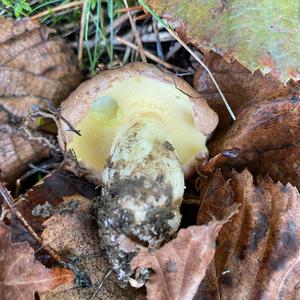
(187, 48)
(190, 201)
(83, 280)
(131, 8)
(164, 36)
(173, 49)
(159, 49)
(136, 34)
(81, 34)
(150, 55)
(55, 9)
(101, 284)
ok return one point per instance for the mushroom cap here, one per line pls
(111, 102)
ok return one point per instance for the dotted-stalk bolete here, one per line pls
(141, 130)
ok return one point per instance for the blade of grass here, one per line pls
(86, 31)
(111, 23)
(185, 46)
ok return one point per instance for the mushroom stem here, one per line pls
(143, 185)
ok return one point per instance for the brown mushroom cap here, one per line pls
(78, 105)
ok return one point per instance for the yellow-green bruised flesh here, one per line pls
(123, 104)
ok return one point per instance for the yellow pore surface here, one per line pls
(125, 103)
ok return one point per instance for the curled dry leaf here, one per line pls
(73, 231)
(16, 150)
(34, 66)
(262, 125)
(258, 253)
(266, 129)
(235, 30)
(180, 265)
(21, 276)
(239, 85)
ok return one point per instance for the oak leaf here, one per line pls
(259, 36)
(21, 275)
(180, 265)
(258, 253)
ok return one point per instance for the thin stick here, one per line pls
(136, 34)
(149, 55)
(81, 34)
(131, 8)
(55, 9)
(187, 48)
(159, 49)
(101, 284)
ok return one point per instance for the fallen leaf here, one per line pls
(180, 265)
(35, 65)
(258, 36)
(239, 85)
(73, 231)
(16, 151)
(51, 189)
(264, 130)
(258, 253)
(21, 275)
(280, 164)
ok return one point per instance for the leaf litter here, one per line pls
(252, 255)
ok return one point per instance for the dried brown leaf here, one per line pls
(265, 128)
(51, 189)
(16, 151)
(239, 85)
(258, 253)
(21, 276)
(180, 265)
(73, 231)
(34, 66)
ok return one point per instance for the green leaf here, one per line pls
(19, 6)
(259, 34)
(7, 2)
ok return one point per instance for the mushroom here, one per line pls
(141, 129)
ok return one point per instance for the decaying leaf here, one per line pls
(34, 66)
(16, 150)
(263, 128)
(281, 164)
(268, 124)
(259, 36)
(21, 276)
(258, 253)
(73, 231)
(51, 189)
(180, 265)
(238, 84)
